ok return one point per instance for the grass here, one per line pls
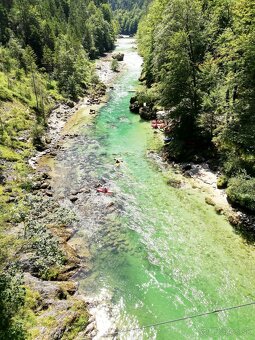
(8, 154)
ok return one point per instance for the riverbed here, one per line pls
(153, 252)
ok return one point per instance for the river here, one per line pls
(157, 253)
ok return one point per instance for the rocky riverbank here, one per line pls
(200, 176)
(51, 265)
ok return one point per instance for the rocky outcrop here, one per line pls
(58, 307)
(118, 56)
(145, 111)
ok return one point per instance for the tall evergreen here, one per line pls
(82, 28)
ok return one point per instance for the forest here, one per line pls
(128, 14)
(47, 50)
(199, 65)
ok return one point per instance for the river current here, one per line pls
(157, 253)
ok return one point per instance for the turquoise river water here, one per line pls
(157, 253)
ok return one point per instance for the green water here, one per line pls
(162, 253)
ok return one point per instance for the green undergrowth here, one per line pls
(22, 124)
(241, 193)
(34, 318)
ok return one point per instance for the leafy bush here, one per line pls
(241, 193)
(5, 94)
(115, 65)
(222, 182)
(8, 154)
(12, 297)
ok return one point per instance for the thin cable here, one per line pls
(216, 311)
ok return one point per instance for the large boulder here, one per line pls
(134, 105)
(147, 113)
(118, 56)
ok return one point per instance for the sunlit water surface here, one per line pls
(160, 253)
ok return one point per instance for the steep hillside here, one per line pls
(46, 52)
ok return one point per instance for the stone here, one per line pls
(70, 103)
(73, 199)
(209, 201)
(186, 167)
(48, 140)
(90, 328)
(36, 186)
(133, 100)
(118, 56)
(219, 210)
(49, 193)
(147, 113)
(45, 185)
(11, 199)
(2, 179)
(174, 183)
(134, 107)
(63, 232)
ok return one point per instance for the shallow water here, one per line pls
(158, 253)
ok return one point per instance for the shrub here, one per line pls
(115, 65)
(241, 193)
(5, 94)
(222, 182)
(12, 297)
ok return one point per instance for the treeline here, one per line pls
(199, 63)
(128, 14)
(56, 36)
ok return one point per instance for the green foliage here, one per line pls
(200, 57)
(222, 182)
(47, 257)
(241, 192)
(45, 52)
(57, 37)
(12, 297)
(8, 154)
(115, 65)
(128, 14)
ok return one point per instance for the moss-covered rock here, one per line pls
(222, 182)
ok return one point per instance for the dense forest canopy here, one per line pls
(58, 35)
(127, 4)
(200, 64)
(128, 13)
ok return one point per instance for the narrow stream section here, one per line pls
(157, 253)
